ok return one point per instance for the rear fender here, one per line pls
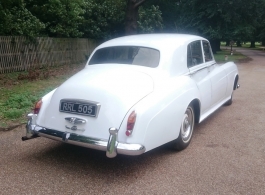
(159, 114)
(232, 76)
(45, 102)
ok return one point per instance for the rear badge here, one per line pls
(75, 121)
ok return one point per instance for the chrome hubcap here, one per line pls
(187, 125)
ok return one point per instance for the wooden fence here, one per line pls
(18, 54)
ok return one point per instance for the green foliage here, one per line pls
(18, 20)
(103, 18)
(214, 19)
(62, 18)
(13, 113)
(17, 104)
(65, 17)
(97, 19)
(150, 19)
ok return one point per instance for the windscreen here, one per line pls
(134, 55)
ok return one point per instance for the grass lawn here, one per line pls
(257, 44)
(246, 45)
(18, 93)
(220, 56)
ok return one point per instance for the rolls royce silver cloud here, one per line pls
(136, 93)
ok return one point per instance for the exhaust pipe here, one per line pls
(25, 138)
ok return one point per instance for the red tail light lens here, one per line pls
(130, 123)
(37, 107)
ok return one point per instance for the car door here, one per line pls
(200, 73)
(217, 75)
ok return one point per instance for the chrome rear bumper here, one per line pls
(111, 146)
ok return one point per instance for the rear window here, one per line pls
(141, 56)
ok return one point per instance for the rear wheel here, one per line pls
(186, 129)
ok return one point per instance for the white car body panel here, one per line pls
(219, 84)
(114, 89)
(159, 96)
(200, 75)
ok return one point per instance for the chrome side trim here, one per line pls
(111, 146)
(196, 68)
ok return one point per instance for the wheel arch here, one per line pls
(235, 82)
(197, 109)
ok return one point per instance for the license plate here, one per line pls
(80, 107)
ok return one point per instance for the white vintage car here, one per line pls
(136, 93)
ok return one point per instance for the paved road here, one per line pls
(226, 156)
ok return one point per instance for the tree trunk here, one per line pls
(132, 16)
(263, 43)
(227, 43)
(238, 44)
(215, 44)
(218, 45)
(252, 44)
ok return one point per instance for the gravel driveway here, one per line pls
(226, 155)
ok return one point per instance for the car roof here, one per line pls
(157, 41)
(172, 48)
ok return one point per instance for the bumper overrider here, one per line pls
(111, 146)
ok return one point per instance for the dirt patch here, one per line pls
(245, 60)
(41, 73)
(10, 127)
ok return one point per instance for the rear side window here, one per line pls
(194, 54)
(135, 55)
(207, 51)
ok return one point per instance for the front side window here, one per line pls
(134, 55)
(207, 51)
(194, 55)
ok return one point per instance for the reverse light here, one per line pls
(37, 107)
(130, 123)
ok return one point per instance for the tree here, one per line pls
(132, 16)
(238, 20)
(62, 18)
(216, 20)
(16, 19)
(103, 18)
(260, 23)
(150, 19)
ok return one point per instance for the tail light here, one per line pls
(130, 123)
(37, 107)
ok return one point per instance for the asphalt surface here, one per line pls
(226, 155)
